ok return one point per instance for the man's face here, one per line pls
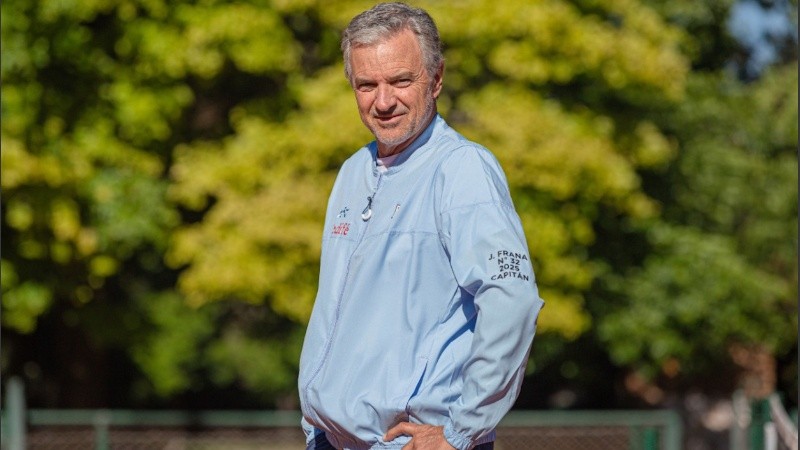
(396, 97)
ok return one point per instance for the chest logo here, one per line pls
(341, 229)
(343, 212)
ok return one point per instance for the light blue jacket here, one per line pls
(427, 302)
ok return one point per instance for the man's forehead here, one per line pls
(387, 56)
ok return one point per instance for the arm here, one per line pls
(490, 260)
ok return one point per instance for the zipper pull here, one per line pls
(367, 213)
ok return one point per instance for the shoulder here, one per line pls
(360, 157)
(470, 174)
(459, 152)
(359, 162)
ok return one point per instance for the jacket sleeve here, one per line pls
(483, 235)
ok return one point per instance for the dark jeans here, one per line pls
(321, 443)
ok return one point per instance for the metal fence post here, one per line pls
(15, 410)
(742, 418)
(673, 432)
(101, 422)
(650, 439)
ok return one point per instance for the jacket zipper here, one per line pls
(368, 212)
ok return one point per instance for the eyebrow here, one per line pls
(361, 80)
(401, 75)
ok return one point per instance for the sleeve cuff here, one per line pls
(456, 439)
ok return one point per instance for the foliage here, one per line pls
(166, 165)
(82, 197)
(723, 267)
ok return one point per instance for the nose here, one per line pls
(384, 98)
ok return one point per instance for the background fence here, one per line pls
(276, 430)
(42, 429)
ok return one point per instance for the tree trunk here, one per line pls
(757, 369)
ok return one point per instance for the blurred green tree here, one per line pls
(85, 216)
(165, 167)
(720, 280)
(713, 295)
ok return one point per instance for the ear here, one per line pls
(438, 77)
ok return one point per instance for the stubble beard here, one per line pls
(413, 128)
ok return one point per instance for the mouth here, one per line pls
(388, 120)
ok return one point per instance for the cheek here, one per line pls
(417, 97)
(364, 102)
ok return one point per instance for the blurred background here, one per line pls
(165, 168)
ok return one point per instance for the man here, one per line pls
(427, 303)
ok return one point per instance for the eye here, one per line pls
(404, 82)
(365, 87)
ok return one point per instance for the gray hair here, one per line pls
(387, 19)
